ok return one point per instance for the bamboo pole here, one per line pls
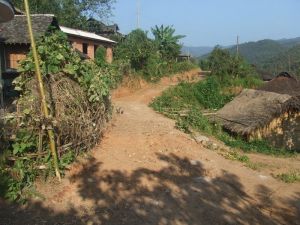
(42, 92)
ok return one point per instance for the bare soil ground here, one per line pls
(146, 172)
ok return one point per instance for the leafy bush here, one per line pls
(167, 41)
(56, 56)
(81, 104)
(136, 48)
(100, 56)
(152, 59)
(208, 93)
(222, 64)
(290, 177)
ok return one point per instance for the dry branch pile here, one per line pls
(78, 123)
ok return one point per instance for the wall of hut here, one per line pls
(89, 47)
(282, 132)
(13, 54)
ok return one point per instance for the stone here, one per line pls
(194, 162)
(200, 139)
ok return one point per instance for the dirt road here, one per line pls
(146, 172)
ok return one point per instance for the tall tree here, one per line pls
(168, 42)
(72, 13)
(136, 48)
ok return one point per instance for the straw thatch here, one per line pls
(284, 83)
(271, 112)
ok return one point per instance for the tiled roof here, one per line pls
(15, 31)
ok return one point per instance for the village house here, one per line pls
(15, 42)
(271, 113)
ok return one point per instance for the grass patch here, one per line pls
(255, 165)
(291, 177)
(234, 155)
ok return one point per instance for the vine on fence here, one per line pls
(78, 93)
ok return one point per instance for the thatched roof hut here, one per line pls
(271, 112)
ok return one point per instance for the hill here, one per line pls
(289, 43)
(196, 51)
(256, 52)
(271, 56)
(289, 60)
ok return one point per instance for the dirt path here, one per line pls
(146, 172)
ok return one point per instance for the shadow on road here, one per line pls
(178, 194)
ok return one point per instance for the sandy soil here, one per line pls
(146, 172)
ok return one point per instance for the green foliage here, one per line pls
(136, 48)
(20, 161)
(186, 101)
(221, 63)
(272, 57)
(291, 177)
(235, 156)
(167, 42)
(147, 59)
(100, 56)
(20, 175)
(288, 60)
(260, 146)
(255, 52)
(69, 12)
(208, 93)
(57, 56)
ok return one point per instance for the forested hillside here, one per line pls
(271, 56)
(256, 52)
(288, 60)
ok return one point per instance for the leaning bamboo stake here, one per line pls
(42, 92)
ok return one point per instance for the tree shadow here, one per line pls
(180, 193)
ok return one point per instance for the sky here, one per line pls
(212, 22)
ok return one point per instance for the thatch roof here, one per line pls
(15, 31)
(254, 109)
(284, 83)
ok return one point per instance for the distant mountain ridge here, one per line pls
(270, 56)
(253, 51)
(196, 51)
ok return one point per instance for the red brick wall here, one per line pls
(14, 54)
(78, 42)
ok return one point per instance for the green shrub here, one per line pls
(20, 158)
(221, 63)
(186, 101)
(100, 56)
(152, 59)
(208, 93)
(291, 177)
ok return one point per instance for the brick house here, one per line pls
(87, 42)
(15, 42)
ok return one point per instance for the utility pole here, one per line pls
(289, 62)
(138, 12)
(237, 45)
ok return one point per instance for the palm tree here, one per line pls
(167, 42)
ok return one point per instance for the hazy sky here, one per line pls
(211, 22)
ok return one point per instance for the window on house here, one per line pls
(85, 48)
